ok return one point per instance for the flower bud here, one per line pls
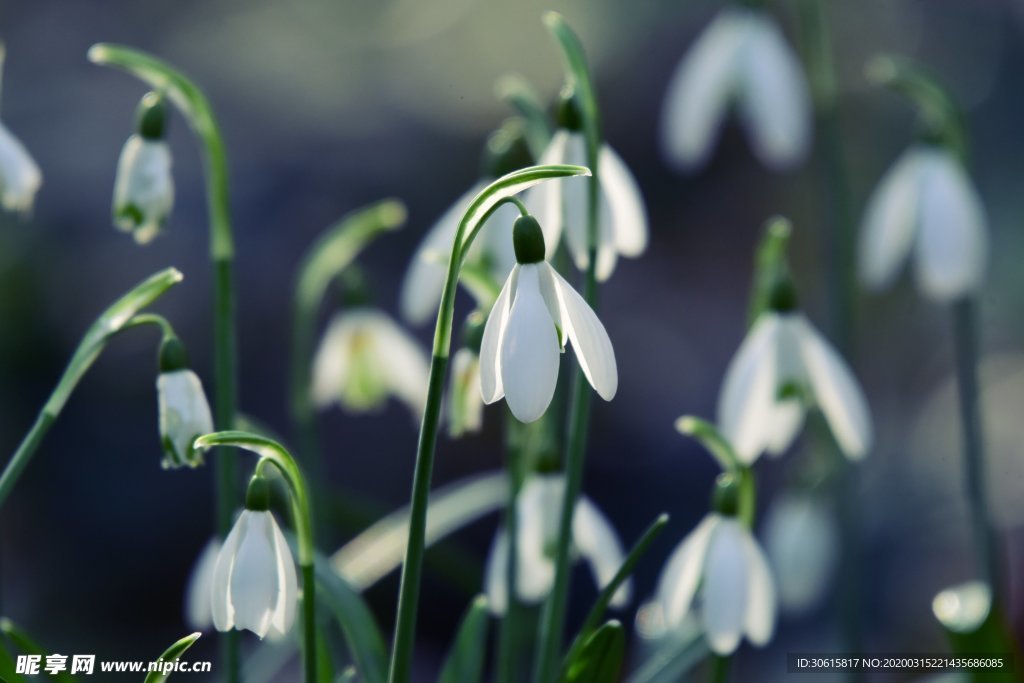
(144, 188)
(184, 413)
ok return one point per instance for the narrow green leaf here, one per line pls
(357, 623)
(673, 659)
(26, 644)
(325, 664)
(600, 659)
(465, 663)
(171, 655)
(8, 668)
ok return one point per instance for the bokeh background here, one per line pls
(327, 106)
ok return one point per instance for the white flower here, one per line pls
(144, 189)
(184, 415)
(424, 281)
(465, 406)
(721, 560)
(538, 510)
(783, 365)
(254, 584)
(364, 358)
(742, 59)
(519, 355)
(198, 610)
(926, 204)
(801, 539)
(562, 206)
(19, 175)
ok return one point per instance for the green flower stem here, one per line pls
(273, 453)
(507, 657)
(485, 203)
(113, 320)
(325, 261)
(965, 337)
(720, 666)
(579, 81)
(192, 103)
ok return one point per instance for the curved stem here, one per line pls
(273, 453)
(483, 205)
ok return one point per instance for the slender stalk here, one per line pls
(720, 668)
(965, 337)
(510, 625)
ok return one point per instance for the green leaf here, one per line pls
(26, 644)
(975, 627)
(357, 623)
(465, 663)
(521, 96)
(600, 659)
(379, 550)
(605, 597)
(172, 654)
(325, 664)
(8, 668)
(769, 265)
(673, 659)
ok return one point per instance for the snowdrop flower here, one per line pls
(364, 358)
(184, 413)
(538, 509)
(505, 152)
(801, 539)
(622, 218)
(721, 564)
(783, 366)
(519, 353)
(254, 583)
(465, 405)
(742, 59)
(925, 204)
(144, 189)
(198, 610)
(19, 176)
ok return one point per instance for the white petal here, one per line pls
(496, 574)
(682, 572)
(760, 620)
(887, 232)
(800, 537)
(529, 349)
(786, 422)
(746, 405)
(836, 392)
(588, 337)
(283, 615)
(332, 362)
(952, 240)
(221, 604)
(144, 188)
(773, 99)
(700, 90)
(20, 178)
(403, 363)
(491, 387)
(424, 281)
(625, 203)
(184, 415)
(198, 612)
(254, 586)
(538, 511)
(726, 589)
(596, 541)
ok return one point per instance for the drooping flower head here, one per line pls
(741, 59)
(783, 367)
(144, 188)
(184, 412)
(536, 312)
(254, 583)
(20, 177)
(562, 207)
(465, 406)
(538, 508)
(720, 571)
(802, 541)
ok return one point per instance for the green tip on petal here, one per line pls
(528, 239)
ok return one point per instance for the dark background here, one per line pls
(327, 106)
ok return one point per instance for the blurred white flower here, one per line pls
(144, 188)
(562, 206)
(742, 58)
(722, 561)
(927, 204)
(802, 541)
(538, 510)
(364, 358)
(184, 415)
(254, 584)
(20, 178)
(519, 354)
(198, 608)
(783, 366)
(465, 405)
